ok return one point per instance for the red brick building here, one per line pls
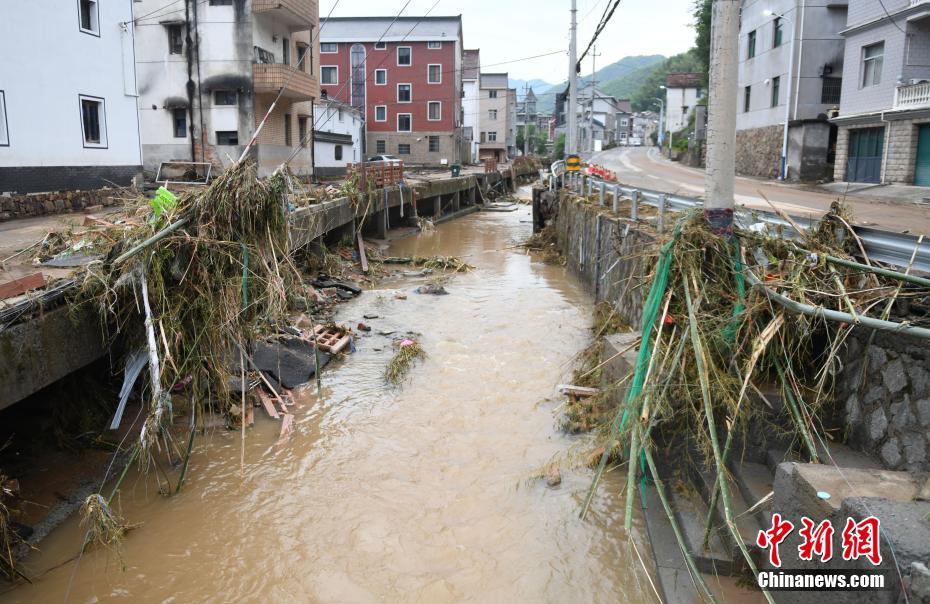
(406, 77)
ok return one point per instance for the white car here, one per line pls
(387, 159)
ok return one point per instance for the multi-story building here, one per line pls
(774, 91)
(624, 121)
(471, 101)
(339, 142)
(682, 92)
(495, 116)
(209, 72)
(645, 124)
(405, 73)
(68, 120)
(884, 119)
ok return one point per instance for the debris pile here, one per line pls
(408, 351)
(729, 317)
(545, 243)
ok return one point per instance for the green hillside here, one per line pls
(620, 79)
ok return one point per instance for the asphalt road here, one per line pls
(645, 167)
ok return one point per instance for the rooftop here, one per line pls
(684, 80)
(391, 29)
(471, 64)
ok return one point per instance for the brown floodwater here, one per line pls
(423, 493)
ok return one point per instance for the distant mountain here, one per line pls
(620, 79)
(536, 85)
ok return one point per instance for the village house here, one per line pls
(471, 101)
(790, 71)
(337, 139)
(209, 72)
(70, 122)
(682, 91)
(884, 117)
(495, 116)
(405, 74)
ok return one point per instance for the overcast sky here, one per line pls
(512, 29)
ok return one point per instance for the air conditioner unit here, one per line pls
(915, 81)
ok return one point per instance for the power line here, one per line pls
(597, 32)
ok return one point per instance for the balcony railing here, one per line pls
(916, 2)
(271, 77)
(912, 96)
(299, 15)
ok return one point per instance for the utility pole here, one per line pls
(571, 117)
(594, 56)
(721, 116)
(526, 124)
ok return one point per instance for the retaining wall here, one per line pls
(59, 202)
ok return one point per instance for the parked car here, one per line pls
(388, 159)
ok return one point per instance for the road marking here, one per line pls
(625, 160)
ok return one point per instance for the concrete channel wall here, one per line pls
(55, 343)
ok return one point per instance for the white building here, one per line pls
(471, 103)
(209, 71)
(68, 115)
(682, 92)
(337, 140)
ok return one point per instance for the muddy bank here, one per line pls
(421, 492)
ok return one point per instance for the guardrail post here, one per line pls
(603, 187)
(660, 224)
(634, 209)
(616, 207)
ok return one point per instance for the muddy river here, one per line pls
(418, 494)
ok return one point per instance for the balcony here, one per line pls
(916, 2)
(272, 77)
(299, 15)
(912, 96)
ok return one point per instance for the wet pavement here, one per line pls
(420, 493)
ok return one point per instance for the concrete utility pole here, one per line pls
(571, 118)
(594, 55)
(721, 120)
(526, 117)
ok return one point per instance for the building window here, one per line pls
(337, 152)
(403, 149)
(403, 122)
(776, 85)
(329, 74)
(4, 129)
(180, 122)
(286, 51)
(380, 45)
(225, 97)
(221, 2)
(873, 57)
(434, 111)
(747, 96)
(492, 137)
(492, 94)
(328, 47)
(404, 92)
(227, 137)
(492, 114)
(404, 56)
(830, 93)
(380, 113)
(89, 17)
(339, 113)
(380, 147)
(302, 130)
(434, 45)
(434, 74)
(751, 47)
(302, 62)
(380, 77)
(779, 26)
(93, 122)
(287, 129)
(175, 39)
(434, 144)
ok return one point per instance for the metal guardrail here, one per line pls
(895, 249)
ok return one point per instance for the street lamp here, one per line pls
(783, 175)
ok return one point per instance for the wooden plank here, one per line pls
(21, 285)
(361, 252)
(268, 404)
(579, 391)
(287, 426)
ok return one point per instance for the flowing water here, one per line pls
(423, 493)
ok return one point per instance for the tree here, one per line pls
(644, 98)
(559, 150)
(702, 12)
(541, 147)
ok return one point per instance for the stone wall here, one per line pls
(758, 151)
(40, 204)
(887, 408)
(608, 253)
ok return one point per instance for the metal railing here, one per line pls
(895, 249)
